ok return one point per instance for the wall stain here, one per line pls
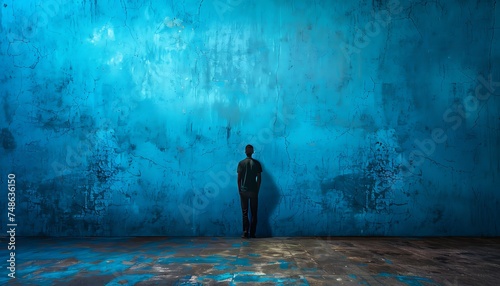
(355, 188)
(8, 141)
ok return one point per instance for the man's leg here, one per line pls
(244, 209)
(254, 205)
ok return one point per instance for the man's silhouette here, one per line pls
(249, 180)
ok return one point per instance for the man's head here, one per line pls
(249, 150)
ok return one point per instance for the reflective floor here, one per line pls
(261, 261)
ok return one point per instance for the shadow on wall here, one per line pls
(268, 201)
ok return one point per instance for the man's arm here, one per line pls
(239, 182)
(258, 181)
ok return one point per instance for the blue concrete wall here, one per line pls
(369, 117)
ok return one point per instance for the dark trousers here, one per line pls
(253, 198)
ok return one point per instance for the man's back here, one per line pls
(249, 168)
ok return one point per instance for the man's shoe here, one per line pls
(244, 235)
(253, 236)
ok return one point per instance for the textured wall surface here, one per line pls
(369, 117)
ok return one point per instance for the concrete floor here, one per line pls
(261, 261)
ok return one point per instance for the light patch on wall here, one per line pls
(116, 60)
(111, 34)
(105, 31)
(171, 23)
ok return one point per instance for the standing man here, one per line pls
(249, 179)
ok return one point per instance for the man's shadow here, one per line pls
(268, 201)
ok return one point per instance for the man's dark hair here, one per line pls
(248, 146)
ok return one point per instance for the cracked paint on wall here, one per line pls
(369, 117)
